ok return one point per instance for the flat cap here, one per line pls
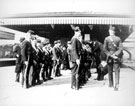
(31, 32)
(55, 42)
(58, 41)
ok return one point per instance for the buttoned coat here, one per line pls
(76, 48)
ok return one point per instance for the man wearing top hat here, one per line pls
(113, 48)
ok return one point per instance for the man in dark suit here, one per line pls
(27, 59)
(56, 59)
(96, 51)
(113, 48)
(76, 48)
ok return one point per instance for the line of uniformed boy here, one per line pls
(38, 59)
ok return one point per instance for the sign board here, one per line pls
(87, 37)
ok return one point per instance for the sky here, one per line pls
(94, 6)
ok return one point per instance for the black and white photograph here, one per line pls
(67, 52)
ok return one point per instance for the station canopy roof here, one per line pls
(40, 12)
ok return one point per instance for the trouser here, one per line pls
(116, 68)
(87, 71)
(44, 71)
(35, 73)
(17, 77)
(56, 68)
(104, 71)
(74, 75)
(97, 67)
(26, 82)
(50, 70)
(82, 73)
(18, 70)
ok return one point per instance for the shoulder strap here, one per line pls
(111, 39)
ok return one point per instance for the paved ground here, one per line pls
(57, 92)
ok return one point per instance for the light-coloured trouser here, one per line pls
(27, 75)
(116, 68)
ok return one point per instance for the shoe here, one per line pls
(115, 89)
(96, 78)
(60, 74)
(50, 78)
(39, 82)
(16, 80)
(72, 87)
(24, 86)
(110, 86)
(44, 79)
(76, 88)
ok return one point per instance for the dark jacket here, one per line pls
(26, 50)
(17, 52)
(76, 48)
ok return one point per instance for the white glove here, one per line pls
(114, 57)
(77, 61)
(17, 55)
(26, 62)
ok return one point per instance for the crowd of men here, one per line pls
(107, 57)
(38, 61)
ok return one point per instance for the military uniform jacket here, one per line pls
(110, 48)
(76, 48)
